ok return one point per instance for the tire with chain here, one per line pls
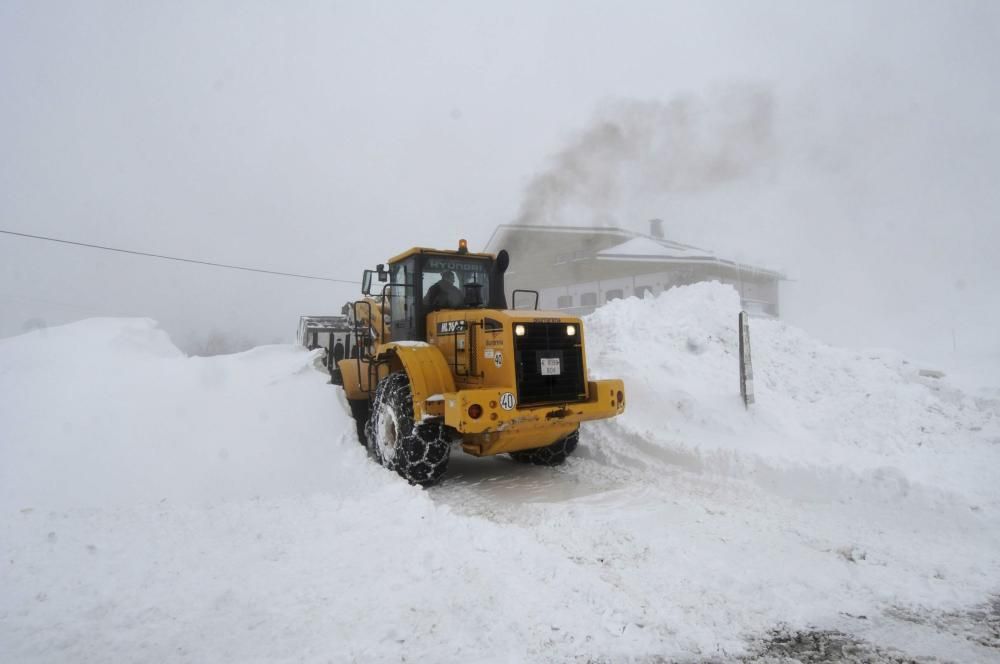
(550, 455)
(418, 451)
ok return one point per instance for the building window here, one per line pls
(564, 302)
(615, 294)
(588, 299)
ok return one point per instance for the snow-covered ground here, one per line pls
(158, 507)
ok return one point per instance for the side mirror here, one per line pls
(366, 282)
(383, 274)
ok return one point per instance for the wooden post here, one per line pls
(746, 367)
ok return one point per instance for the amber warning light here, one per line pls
(463, 247)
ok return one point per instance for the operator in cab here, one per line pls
(444, 294)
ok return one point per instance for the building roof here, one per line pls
(648, 247)
(609, 243)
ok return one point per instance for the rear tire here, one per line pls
(550, 455)
(418, 451)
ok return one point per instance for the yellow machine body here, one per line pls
(465, 372)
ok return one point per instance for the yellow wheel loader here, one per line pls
(440, 360)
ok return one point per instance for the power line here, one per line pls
(175, 258)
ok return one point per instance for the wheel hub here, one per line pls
(387, 435)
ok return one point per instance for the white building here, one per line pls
(577, 268)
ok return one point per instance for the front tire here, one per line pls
(418, 451)
(550, 455)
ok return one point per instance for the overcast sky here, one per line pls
(321, 138)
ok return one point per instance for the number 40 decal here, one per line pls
(507, 401)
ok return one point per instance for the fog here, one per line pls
(854, 146)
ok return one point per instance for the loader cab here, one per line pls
(425, 280)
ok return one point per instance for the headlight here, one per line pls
(519, 330)
(570, 330)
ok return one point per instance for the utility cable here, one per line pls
(175, 258)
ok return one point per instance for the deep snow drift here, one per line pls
(108, 411)
(159, 507)
(840, 413)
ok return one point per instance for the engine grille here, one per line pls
(549, 340)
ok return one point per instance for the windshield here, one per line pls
(446, 277)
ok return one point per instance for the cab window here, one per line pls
(401, 293)
(445, 279)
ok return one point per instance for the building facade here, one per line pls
(576, 269)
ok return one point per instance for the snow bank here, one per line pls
(127, 530)
(109, 411)
(830, 415)
(229, 513)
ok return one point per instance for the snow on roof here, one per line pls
(637, 246)
(646, 247)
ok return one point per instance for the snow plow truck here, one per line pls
(441, 361)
